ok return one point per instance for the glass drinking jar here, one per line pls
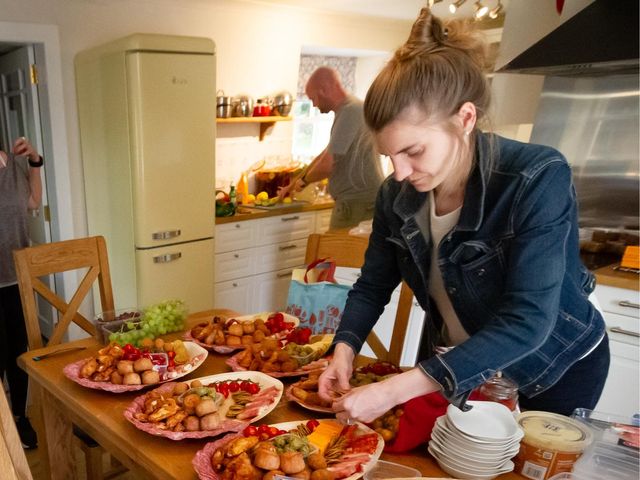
(500, 389)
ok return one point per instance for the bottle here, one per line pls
(232, 196)
(243, 189)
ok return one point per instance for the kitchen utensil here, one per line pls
(282, 103)
(242, 106)
(37, 358)
(223, 105)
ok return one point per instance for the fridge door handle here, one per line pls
(167, 257)
(166, 235)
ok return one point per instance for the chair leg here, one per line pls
(93, 460)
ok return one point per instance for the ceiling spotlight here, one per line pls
(481, 10)
(495, 11)
(431, 3)
(456, 5)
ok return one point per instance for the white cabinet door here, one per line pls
(235, 295)
(270, 290)
(236, 264)
(280, 256)
(285, 228)
(323, 220)
(235, 236)
(620, 395)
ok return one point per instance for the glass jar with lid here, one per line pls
(500, 389)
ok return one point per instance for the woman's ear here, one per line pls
(467, 116)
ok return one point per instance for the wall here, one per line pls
(258, 48)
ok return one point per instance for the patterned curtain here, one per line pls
(346, 66)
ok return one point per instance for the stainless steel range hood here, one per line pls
(602, 38)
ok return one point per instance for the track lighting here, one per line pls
(481, 10)
(495, 11)
(456, 5)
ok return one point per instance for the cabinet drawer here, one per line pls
(285, 228)
(323, 220)
(279, 256)
(270, 290)
(235, 264)
(619, 300)
(622, 328)
(235, 295)
(235, 236)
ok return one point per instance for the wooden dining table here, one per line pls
(100, 414)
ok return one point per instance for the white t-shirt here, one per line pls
(439, 226)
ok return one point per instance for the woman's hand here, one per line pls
(334, 381)
(22, 147)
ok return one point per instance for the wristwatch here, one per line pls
(37, 164)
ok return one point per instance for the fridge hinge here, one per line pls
(47, 213)
(33, 72)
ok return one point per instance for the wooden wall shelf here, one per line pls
(264, 122)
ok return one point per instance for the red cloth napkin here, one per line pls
(416, 423)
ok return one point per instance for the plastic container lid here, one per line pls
(385, 470)
(551, 431)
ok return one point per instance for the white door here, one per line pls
(20, 117)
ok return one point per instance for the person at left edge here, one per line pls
(20, 191)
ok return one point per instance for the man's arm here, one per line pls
(319, 169)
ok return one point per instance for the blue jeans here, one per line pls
(579, 387)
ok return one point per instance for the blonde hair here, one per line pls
(439, 68)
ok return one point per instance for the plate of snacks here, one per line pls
(277, 359)
(205, 407)
(124, 369)
(305, 393)
(227, 335)
(319, 449)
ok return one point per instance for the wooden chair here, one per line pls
(13, 461)
(348, 251)
(46, 259)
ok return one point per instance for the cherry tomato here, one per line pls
(250, 431)
(264, 429)
(253, 388)
(234, 387)
(312, 424)
(282, 432)
(273, 431)
(223, 389)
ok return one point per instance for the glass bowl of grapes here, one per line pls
(133, 325)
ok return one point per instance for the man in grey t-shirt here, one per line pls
(350, 161)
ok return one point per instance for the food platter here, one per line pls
(225, 349)
(197, 356)
(262, 403)
(289, 393)
(319, 364)
(203, 465)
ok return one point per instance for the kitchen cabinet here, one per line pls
(323, 221)
(265, 123)
(254, 260)
(384, 327)
(621, 308)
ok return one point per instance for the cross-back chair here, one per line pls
(13, 461)
(32, 263)
(348, 251)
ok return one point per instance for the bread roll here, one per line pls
(132, 379)
(149, 377)
(206, 406)
(142, 364)
(124, 367)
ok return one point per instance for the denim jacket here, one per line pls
(511, 267)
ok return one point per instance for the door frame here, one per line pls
(46, 41)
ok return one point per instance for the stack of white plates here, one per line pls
(477, 444)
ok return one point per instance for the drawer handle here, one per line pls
(236, 255)
(167, 234)
(238, 225)
(284, 274)
(625, 303)
(624, 331)
(288, 219)
(287, 247)
(234, 284)
(167, 257)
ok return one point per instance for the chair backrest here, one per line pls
(13, 461)
(348, 251)
(41, 260)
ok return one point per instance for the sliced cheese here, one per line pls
(324, 434)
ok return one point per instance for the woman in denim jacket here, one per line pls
(483, 229)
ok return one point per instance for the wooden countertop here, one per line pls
(249, 213)
(614, 278)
